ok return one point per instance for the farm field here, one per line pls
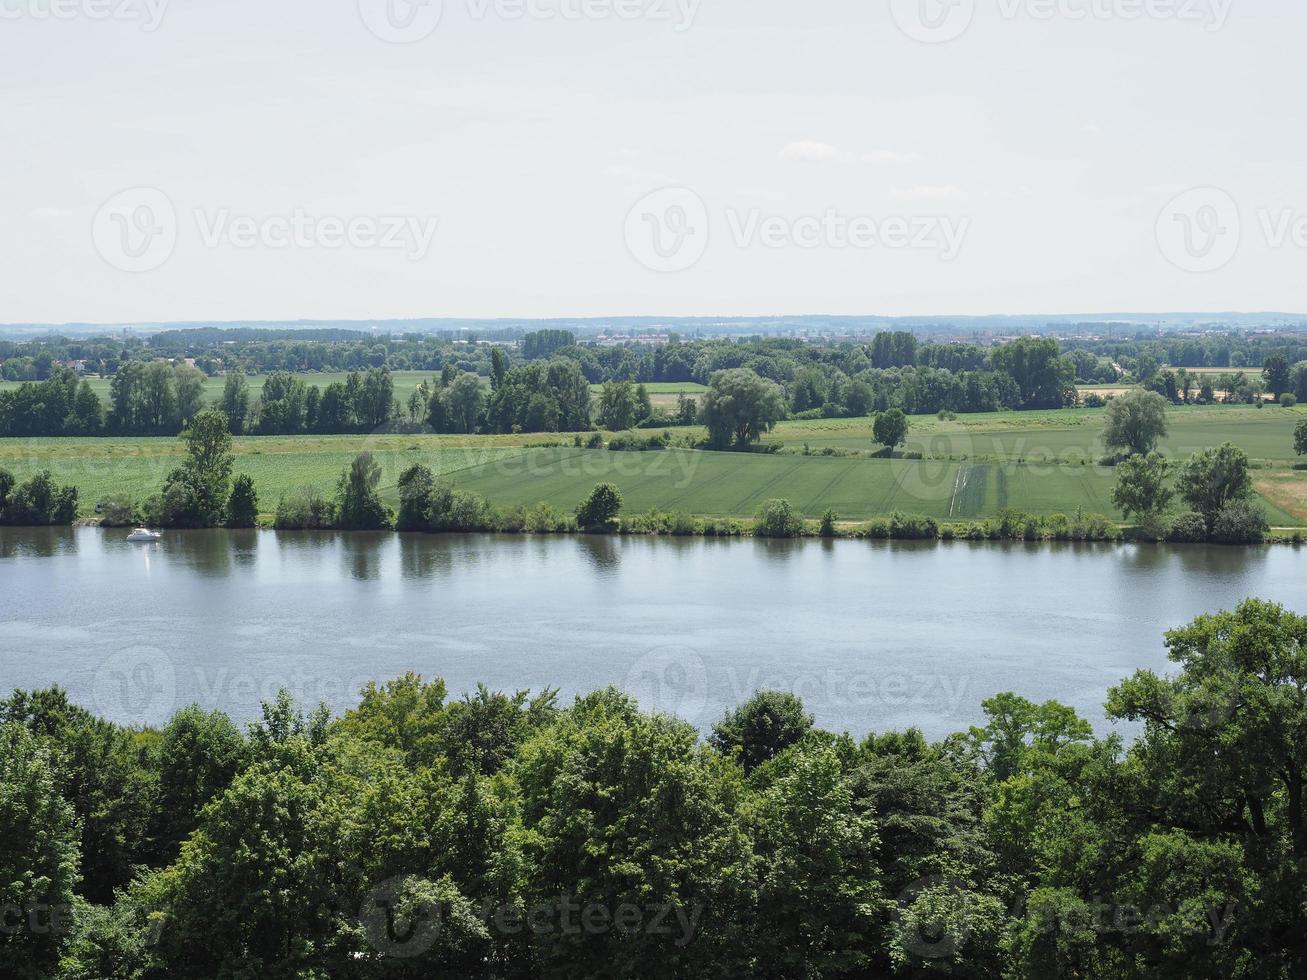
(736, 484)
(137, 467)
(1041, 462)
(1068, 435)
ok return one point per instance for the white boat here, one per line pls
(144, 534)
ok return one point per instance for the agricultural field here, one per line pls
(1068, 435)
(137, 466)
(1040, 462)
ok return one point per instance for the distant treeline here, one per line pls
(541, 385)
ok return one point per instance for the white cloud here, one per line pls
(812, 151)
(927, 192)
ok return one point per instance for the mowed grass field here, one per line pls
(1040, 462)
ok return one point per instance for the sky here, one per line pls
(375, 159)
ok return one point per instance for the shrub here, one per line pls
(1288, 399)
(827, 529)
(632, 443)
(118, 511)
(243, 504)
(304, 509)
(546, 519)
(38, 501)
(598, 511)
(596, 441)
(777, 519)
(1240, 522)
(1188, 528)
(913, 527)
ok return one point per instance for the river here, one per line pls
(873, 636)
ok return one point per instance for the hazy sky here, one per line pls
(291, 158)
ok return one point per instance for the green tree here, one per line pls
(1141, 490)
(195, 494)
(740, 407)
(38, 501)
(762, 728)
(600, 509)
(1300, 438)
(1135, 421)
(38, 857)
(1218, 776)
(358, 506)
(617, 406)
(199, 755)
(464, 399)
(243, 504)
(778, 519)
(891, 428)
(236, 400)
(1213, 478)
(1277, 374)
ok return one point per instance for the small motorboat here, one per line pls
(144, 534)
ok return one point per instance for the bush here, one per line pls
(304, 509)
(632, 443)
(243, 504)
(118, 511)
(827, 529)
(1188, 528)
(777, 519)
(1240, 522)
(37, 502)
(546, 519)
(912, 527)
(599, 510)
(1288, 399)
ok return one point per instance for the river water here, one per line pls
(873, 636)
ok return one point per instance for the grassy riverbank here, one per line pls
(975, 466)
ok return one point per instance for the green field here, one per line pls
(1069, 435)
(1040, 462)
